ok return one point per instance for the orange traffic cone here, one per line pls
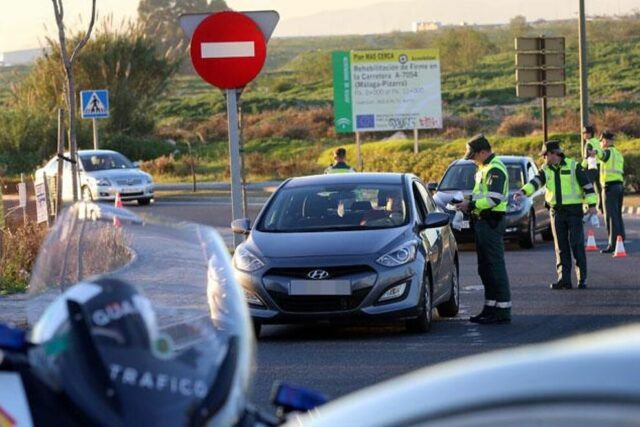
(117, 204)
(591, 242)
(619, 252)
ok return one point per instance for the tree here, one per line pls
(124, 61)
(462, 48)
(67, 62)
(159, 20)
(518, 26)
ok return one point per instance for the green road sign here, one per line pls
(342, 100)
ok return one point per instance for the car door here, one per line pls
(433, 239)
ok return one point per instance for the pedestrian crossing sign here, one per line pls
(94, 104)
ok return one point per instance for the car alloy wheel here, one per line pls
(422, 323)
(528, 240)
(451, 307)
(86, 194)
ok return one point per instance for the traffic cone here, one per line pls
(619, 252)
(118, 203)
(591, 242)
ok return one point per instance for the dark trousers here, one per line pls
(491, 266)
(613, 196)
(594, 177)
(568, 237)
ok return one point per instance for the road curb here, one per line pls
(631, 210)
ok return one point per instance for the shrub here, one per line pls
(518, 125)
(20, 247)
(162, 165)
(626, 122)
(138, 148)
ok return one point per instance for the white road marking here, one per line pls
(212, 50)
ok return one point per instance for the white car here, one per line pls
(102, 175)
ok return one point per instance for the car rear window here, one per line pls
(335, 208)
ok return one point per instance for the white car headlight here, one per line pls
(399, 256)
(246, 261)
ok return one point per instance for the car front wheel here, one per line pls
(86, 194)
(528, 240)
(422, 323)
(144, 202)
(450, 307)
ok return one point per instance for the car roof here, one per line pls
(510, 159)
(582, 367)
(96, 152)
(347, 178)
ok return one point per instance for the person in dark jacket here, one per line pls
(339, 165)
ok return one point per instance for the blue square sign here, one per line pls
(365, 121)
(94, 104)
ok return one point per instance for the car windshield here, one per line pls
(104, 161)
(462, 177)
(335, 208)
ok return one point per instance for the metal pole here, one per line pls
(245, 209)
(60, 161)
(543, 107)
(415, 141)
(95, 134)
(234, 157)
(582, 54)
(358, 152)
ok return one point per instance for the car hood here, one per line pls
(333, 243)
(117, 174)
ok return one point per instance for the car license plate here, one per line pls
(129, 190)
(320, 287)
(465, 224)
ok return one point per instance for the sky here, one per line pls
(25, 23)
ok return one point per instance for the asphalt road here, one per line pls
(338, 360)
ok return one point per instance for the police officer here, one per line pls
(611, 179)
(339, 165)
(568, 187)
(590, 162)
(488, 207)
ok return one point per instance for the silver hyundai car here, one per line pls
(349, 247)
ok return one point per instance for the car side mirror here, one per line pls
(241, 226)
(435, 220)
(432, 186)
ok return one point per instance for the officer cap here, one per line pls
(588, 129)
(607, 135)
(551, 145)
(475, 145)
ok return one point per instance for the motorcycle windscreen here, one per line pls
(175, 349)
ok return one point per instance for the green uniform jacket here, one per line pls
(491, 190)
(566, 184)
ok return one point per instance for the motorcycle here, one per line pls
(134, 320)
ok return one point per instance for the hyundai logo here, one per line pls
(318, 274)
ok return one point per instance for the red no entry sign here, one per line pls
(228, 50)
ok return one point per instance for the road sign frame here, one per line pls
(85, 98)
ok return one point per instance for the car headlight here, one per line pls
(246, 261)
(103, 182)
(399, 256)
(148, 180)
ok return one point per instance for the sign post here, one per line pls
(94, 105)
(540, 71)
(228, 50)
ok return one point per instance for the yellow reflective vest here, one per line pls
(570, 188)
(611, 169)
(482, 197)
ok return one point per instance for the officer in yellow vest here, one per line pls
(611, 179)
(339, 165)
(590, 162)
(488, 207)
(567, 189)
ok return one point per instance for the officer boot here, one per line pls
(486, 311)
(498, 316)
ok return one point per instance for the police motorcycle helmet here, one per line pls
(160, 335)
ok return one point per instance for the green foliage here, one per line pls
(17, 255)
(159, 20)
(26, 138)
(462, 48)
(138, 148)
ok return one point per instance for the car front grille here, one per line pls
(135, 181)
(319, 303)
(334, 272)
